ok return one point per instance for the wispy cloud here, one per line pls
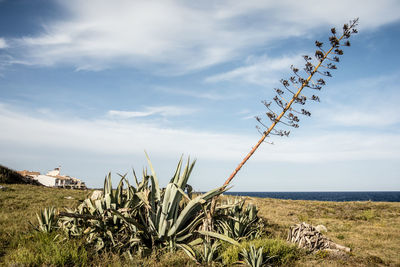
(181, 36)
(164, 111)
(211, 95)
(374, 103)
(260, 70)
(3, 43)
(110, 137)
(365, 118)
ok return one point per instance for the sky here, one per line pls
(91, 85)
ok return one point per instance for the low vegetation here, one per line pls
(369, 228)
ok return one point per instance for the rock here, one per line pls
(68, 197)
(320, 228)
(97, 194)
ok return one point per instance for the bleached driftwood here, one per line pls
(308, 237)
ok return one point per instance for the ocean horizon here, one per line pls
(385, 196)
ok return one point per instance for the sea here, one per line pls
(387, 196)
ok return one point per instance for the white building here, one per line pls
(53, 178)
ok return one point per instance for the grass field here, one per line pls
(371, 229)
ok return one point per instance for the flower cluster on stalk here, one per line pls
(280, 110)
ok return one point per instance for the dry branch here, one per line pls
(308, 237)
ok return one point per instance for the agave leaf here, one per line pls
(107, 184)
(196, 242)
(119, 191)
(107, 199)
(153, 173)
(130, 189)
(219, 236)
(192, 225)
(90, 206)
(175, 178)
(170, 206)
(40, 220)
(99, 206)
(186, 174)
(183, 237)
(45, 215)
(155, 188)
(192, 206)
(144, 183)
(111, 236)
(143, 198)
(128, 220)
(136, 180)
(259, 257)
(188, 250)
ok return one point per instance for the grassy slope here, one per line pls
(10, 176)
(19, 204)
(371, 229)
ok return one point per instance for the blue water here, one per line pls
(390, 196)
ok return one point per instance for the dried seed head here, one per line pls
(318, 44)
(319, 55)
(321, 81)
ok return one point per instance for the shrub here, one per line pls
(281, 252)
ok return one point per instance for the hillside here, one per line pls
(369, 228)
(10, 176)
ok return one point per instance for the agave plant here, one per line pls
(254, 257)
(238, 221)
(142, 217)
(206, 255)
(210, 244)
(47, 220)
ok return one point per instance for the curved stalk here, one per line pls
(287, 107)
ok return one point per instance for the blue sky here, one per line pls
(90, 85)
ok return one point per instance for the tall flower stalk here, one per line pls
(295, 85)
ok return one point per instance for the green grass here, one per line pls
(19, 204)
(37, 249)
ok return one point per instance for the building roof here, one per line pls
(26, 173)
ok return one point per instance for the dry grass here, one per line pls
(371, 229)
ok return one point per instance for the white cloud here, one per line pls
(108, 137)
(148, 111)
(366, 118)
(3, 43)
(261, 70)
(184, 36)
(210, 94)
(373, 105)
